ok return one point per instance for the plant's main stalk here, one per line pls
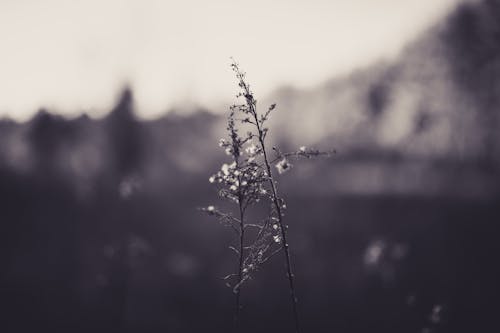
(283, 232)
(242, 248)
(251, 104)
(241, 198)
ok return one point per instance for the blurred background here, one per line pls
(111, 115)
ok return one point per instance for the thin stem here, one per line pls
(297, 155)
(240, 273)
(272, 255)
(283, 235)
(251, 105)
(241, 253)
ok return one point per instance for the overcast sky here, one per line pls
(75, 55)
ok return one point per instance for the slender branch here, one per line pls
(262, 132)
(283, 233)
(303, 154)
(240, 271)
(252, 225)
(223, 218)
(241, 251)
(272, 255)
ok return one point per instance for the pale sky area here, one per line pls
(74, 56)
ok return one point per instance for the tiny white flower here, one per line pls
(277, 238)
(210, 208)
(244, 183)
(225, 169)
(251, 150)
(211, 179)
(302, 148)
(233, 188)
(229, 151)
(275, 226)
(236, 173)
(283, 166)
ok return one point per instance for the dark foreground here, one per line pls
(151, 263)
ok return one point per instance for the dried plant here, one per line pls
(247, 181)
